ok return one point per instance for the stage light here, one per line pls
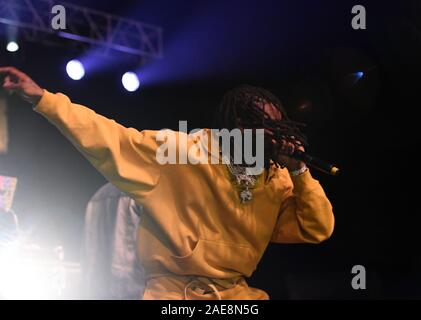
(130, 81)
(75, 69)
(17, 280)
(353, 78)
(359, 75)
(12, 46)
(29, 272)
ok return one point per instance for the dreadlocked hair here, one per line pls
(240, 108)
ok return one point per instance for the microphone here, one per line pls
(315, 163)
(308, 159)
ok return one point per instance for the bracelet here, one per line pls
(299, 171)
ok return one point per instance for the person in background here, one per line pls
(110, 266)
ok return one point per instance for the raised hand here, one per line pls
(18, 82)
(284, 150)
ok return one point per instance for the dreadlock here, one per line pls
(241, 106)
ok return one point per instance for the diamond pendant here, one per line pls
(246, 195)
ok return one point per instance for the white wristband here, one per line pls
(299, 171)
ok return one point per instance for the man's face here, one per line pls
(270, 113)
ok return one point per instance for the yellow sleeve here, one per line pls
(306, 214)
(125, 156)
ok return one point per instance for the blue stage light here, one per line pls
(75, 70)
(130, 81)
(359, 74)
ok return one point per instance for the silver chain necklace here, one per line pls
(244, 180)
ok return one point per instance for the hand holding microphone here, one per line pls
(292, 155)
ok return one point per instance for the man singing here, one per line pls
(207, 225)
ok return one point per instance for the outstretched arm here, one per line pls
(125, 156)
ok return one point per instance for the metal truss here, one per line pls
(93, 28)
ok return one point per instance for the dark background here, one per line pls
(304, 51)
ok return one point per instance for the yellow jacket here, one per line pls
(196, 223)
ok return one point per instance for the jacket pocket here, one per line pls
(215, 259)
